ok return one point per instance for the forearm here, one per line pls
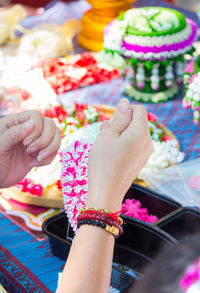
(88, 267)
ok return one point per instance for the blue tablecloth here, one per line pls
(35, 257)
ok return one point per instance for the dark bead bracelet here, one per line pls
(99, 224)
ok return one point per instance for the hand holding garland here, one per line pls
(120, 152)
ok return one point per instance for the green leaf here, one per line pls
(166, 62)
(133, 61)
(149, 64)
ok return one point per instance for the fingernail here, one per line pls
(32, 149)
(123, 105)
(42, 156)
(27, 125)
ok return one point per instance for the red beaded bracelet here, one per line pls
(114, 216)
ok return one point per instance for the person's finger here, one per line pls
(138, 132)
(19, 118)
(35, 163)
(122, 117)
(38, 120)
(15, 134)
(139, 114)
(104, 125)
(139, 123)
(48, 132)
(51, 148)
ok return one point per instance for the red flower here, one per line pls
(80, 116)
(35, 189)
(102, 117)
(59, 185)
(166, 138)
(80, 106)
(151, 117)
(48, 113)
(25, 95)
(56, 112)
(59, 113)
(85, 60)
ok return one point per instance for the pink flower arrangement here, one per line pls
(133, 208)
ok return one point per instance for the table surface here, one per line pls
(36, 255)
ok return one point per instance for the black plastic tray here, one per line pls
(133, 250)
(156, 204)
(181, 223)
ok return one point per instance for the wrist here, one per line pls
(103, 202)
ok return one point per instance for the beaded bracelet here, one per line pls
(111, 216)
(100, 210)
(111, 229)
(114, 216)
(101, 218)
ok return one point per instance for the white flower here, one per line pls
(90, 113)
(69, 106)
(164, 155)
(70, 129)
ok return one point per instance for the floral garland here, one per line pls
(74, 179)
(79, 71)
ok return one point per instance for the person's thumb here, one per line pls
(122, 117)
(15, 135)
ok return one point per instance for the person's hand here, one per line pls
(120, 152)
(27, 140)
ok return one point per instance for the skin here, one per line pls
(120, 152)
(27, 140)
